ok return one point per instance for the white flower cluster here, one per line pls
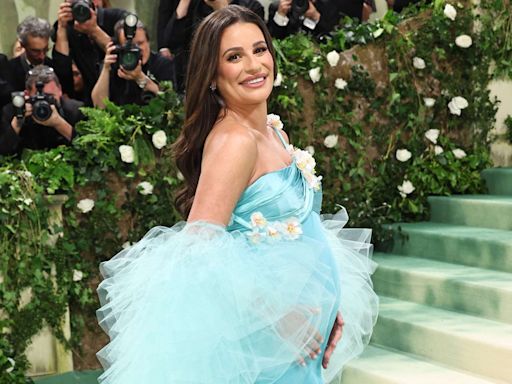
(306, 163)
(274, 121)
(263, 230)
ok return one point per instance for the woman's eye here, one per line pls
(260, 49)
(234, 57)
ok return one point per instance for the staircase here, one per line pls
(446, 295)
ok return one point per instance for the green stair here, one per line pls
(446, 295)
(82, 377)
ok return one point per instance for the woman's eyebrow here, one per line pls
(241, 48)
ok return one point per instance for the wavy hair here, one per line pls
(203, 107)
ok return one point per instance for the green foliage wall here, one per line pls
(420, 121)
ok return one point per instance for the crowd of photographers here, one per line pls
(101, 53)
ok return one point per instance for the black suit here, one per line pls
(34, 135)
(5, 86)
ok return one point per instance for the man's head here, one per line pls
(47, 76)
(141, 38)
(34, 34)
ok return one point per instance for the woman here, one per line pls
(246, 291)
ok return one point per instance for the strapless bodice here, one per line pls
(277, 195)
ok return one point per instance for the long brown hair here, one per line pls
(202, 105)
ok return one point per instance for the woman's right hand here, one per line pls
(284, 7)
(110, 58)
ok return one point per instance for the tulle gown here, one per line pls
(199, 303)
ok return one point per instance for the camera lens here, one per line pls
(81, 11)
(42, 110)
(130, 60)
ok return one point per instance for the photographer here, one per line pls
(318, 17)
(81, 34)
(131, 72)
(178, 19)
(38, 118)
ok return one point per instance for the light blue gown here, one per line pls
(202, 304)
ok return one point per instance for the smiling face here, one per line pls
(245, 71)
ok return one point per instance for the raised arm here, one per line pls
(228, 164)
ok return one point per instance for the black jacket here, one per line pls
(330, 10)
(34, 135)
(158, 68)
(84, 52)
(5, 87)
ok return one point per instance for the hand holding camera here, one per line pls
(284, 7)
(64, 16)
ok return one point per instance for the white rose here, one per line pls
(432, 135)
(450, 12)
(418, 63)
(27, 174)
(333, 57)
(146, 188)
(340, 83)
(459, 153)
(460, 102)
(159, 139)
(331, 141)
(464, 41)
(406, 188)
(278, 80)
(13, 363)
(28, 201)
(315, 74)
(438, 149)
(77, 275)
(310, 149)
(127, 154)
(180, 176)
(85, 205)
(429, 102)
(454, 110)
(403, 155)
(378, 32)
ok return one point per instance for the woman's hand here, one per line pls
(334, 337)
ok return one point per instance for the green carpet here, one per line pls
(83, 377)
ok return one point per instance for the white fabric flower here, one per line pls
(315, 74)
(450, 12)
(255, 236)
(457, 104)
(333, 57)
(432, 135)
(77, 275)
(278, 80)
(418, 63)
(127, 153)
(293, 228)
(258, 220)
(459, 153)
(159, 139)
(340, 83)
(145, 188)
(464, 41)
(273, 232)
(403, 155)
(304, 160)
(429, 102)
(274, 121)
(314, 182)
(406, 188)
(13, 364)
(438, 149)
(310, 149)
(85, 205)
(331, 141)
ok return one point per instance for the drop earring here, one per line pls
(213, 87)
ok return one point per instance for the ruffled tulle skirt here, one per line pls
(197, 304)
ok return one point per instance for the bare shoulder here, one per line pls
(231, 140)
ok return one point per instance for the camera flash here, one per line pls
(18, 101)
(131, 20)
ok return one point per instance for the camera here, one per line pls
(299, 8)
(41, 103)
(128, 55)
(81, 10)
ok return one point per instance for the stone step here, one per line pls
(475, 291)
(479, 346)
(473, 246)
(498, 180)
(489, 211)
(379, 365)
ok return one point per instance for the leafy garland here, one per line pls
(383, 146)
